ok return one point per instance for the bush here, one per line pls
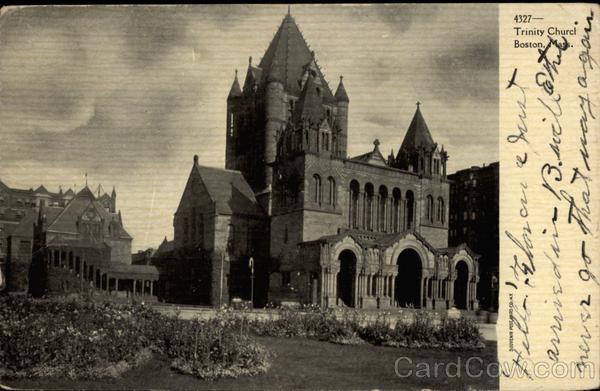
(350, 327)
(83, 339)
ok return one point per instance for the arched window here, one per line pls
(441, 211)
(353, 204)
(332, 191)
(316, 189)
(369, 193)
(409, 209)
(383, 201)
(429, 214)
(396, 211)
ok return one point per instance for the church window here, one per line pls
(410, 205)
(473, 215)
(332, 191)
(436, 166)
(429, 214)
(369, 194)
(441, 212)
(465, 216)
(396, 215)
(200, 229)
(231, 125)
(353, 204)
(230, 237)
(383, 200)
(316, 189)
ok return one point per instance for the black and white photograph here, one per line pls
(249, 196)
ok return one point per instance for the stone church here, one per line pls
(367, 231)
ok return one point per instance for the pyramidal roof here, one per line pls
(287, 57)
(418, 134)
(235, 90)
(340, 93)
(310, 104)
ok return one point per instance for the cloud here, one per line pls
(381, 119)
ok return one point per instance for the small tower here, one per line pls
(113, 200)
(233, 103)
(418, 152)
(341, 119)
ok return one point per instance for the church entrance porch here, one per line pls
(409, 280)
(389, 271)
(346, 279)
(461, 285)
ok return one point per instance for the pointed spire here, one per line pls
(340, 93)
(418, 134)
(235, 90)
(114, 192)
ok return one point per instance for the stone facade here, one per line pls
(338, 224)
(218, 227)
(367, 231)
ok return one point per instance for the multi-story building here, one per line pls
(364, 231)
(474, 220)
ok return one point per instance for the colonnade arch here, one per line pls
(380, 209)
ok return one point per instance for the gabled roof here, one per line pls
(166, 246)
(418, 135)
(374, 157)
(229, 190)
(286, 57)
(42, 190)
(86, 193)
(65, 221)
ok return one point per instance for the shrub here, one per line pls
(83, 339)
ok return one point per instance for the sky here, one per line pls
(128, 94)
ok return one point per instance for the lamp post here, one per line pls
(251, 264)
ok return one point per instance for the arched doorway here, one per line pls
(408, 281)
(346, 277)
(460, 285)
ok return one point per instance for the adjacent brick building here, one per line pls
(474, 220)
(67, 242)
(18, 210)
(365, 231)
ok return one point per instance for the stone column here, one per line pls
(393, 290)
(375, 216)
(361, 209)
(151, 287)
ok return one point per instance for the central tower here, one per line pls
(285, 94)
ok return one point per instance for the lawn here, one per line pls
(305, 363)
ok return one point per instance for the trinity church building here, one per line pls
(369, 231)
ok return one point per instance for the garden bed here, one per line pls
(87, 340)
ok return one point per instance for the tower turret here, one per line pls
(341, 119)
(113, 200)
(233, 99)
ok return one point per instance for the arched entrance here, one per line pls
(460, 285)
(408, 281)
(346, 277)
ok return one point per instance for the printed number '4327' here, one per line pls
(522, 18)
